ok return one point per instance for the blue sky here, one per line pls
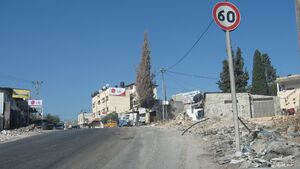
(77, 46)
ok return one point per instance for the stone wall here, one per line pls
(220, 104)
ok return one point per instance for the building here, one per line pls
(120, 99)
(84, 119)
(288, 90)
(14, 109)
(185, 102)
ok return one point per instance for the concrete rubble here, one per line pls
(272, 145)
(15, 134)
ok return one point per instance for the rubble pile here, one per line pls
(9, 135)
(289, 125)
(262, 147)
(181, 121)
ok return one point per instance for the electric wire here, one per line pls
(181, 82)
(194, 45)
(192, 75)
(13, 78)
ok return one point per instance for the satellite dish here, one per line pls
(198, 97)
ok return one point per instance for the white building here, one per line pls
(84, 119)
(120, 99)
(288, 90)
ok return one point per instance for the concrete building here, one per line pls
(14, 109)
(288, 90)
(84, 119)
(249, 106)
(119, 99)
(183, 102)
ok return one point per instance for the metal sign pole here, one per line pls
(163, 93)
(233, 94)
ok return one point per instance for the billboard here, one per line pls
(187, 98)
(21, 94)
(114, 91)
(35, 103)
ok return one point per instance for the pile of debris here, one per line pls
(181, 122)
(10, 135)
(262, 147)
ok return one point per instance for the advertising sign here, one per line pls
(35, 103)
(117, 91)
(187, 98)
(21, 94)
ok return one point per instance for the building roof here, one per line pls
(288, 78)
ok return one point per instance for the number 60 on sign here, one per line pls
(226, 15)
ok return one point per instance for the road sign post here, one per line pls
(227, 16)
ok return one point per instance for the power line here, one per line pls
(177, 84)
(191, 75)
(189, 51)
(182, 82)
(13, 78)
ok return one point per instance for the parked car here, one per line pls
(43, 124)
(123, 123)
(59, 126)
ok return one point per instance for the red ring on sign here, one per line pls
(236, 10)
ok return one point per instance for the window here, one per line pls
(106, 98)
(98, 102)
(107, 109)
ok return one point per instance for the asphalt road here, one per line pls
(126, 148)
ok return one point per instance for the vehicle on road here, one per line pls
(43, 124)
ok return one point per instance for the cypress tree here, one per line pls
(270, 73)
(224, 82)
(259, 82)
(241, 74)
(144, 77)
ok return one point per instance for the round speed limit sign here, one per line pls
(226, 15)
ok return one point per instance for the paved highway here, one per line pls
(126, 148)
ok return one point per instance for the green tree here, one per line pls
(224, 82)
(241, 74)
(52, 118)
(259, 82)
(270, 73)
(144, 78)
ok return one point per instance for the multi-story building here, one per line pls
(84, 119)
(288, 90)
(119, 99)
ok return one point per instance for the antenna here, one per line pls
(37, 86)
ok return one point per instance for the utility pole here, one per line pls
(162, 70)
(37, 86)
(233, 93)
(297, 7)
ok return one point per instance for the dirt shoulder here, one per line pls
(20, 133)
(270, 142)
